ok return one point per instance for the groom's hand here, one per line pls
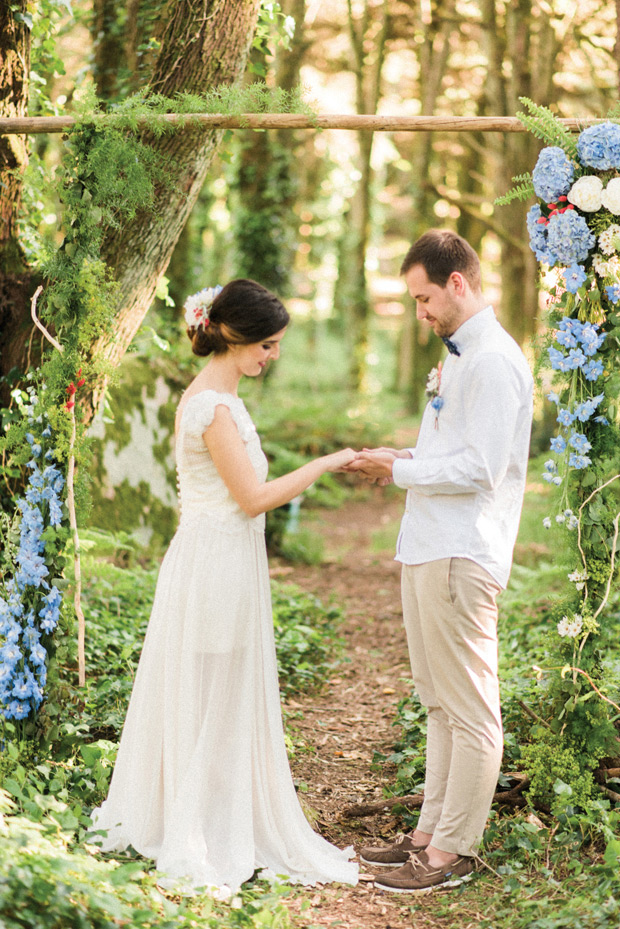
(374, 465)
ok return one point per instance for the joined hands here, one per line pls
(374, 464)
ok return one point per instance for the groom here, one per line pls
(465, 480)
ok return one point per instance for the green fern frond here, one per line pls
(545, 125)
(523, 190)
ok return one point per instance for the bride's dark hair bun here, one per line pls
(242, 313)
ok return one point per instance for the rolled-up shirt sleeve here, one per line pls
(491, 420)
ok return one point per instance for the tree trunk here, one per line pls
(368, 37)
(417, 352)
(14, 275)
(204, 43)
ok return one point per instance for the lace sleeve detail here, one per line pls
(200, 410)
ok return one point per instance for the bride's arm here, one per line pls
(230, 457)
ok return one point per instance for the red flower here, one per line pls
(71, 389)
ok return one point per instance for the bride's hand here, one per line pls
(338, 461)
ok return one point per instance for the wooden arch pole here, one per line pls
(36, 125)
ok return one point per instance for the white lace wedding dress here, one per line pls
(202, 782)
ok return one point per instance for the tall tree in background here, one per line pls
(368, 22)
(264, 185)
(433, 30)
(201, 45)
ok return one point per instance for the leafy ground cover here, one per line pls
(356, 739)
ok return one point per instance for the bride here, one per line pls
(202, 783)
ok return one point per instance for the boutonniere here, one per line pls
(433, 391)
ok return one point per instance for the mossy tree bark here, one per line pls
(203, 44)
(14, 274)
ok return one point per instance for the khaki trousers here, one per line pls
(450, 617)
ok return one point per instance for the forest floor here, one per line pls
(341, 728)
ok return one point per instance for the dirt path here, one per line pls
(353, 718)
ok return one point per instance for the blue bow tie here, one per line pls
(450, 346)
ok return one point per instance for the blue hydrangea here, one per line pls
(599, 146)
(538, 235)
(569, 238)
(553, 174)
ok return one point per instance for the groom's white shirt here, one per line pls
(466, 477)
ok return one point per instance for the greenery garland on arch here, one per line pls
(574, 230)
(107, 174)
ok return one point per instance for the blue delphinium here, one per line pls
(579, 442)
(558, 444)
(591, 338)
(574, 277)
(569, 239)
(599, 146)
(578, 461)
(553, 174)
(565, 417)
(29, 606)
(613, 293)
(593, 369)
(579, 343)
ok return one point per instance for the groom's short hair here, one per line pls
(440, 252)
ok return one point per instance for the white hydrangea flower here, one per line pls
(586, 193)
(610, 197)
(609, 240)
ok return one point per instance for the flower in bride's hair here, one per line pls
(198, 307)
